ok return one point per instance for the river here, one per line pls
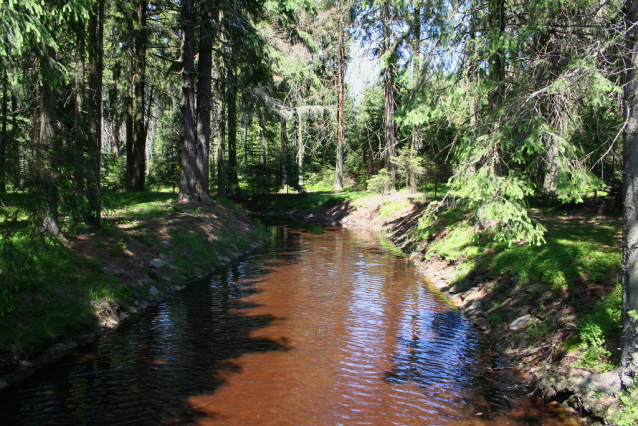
(322, 326)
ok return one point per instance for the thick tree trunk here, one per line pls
(44, 159)
(388, 116)
(94, 104)
(629, 355)
(188, 182)
(139, 80)
(204, 93)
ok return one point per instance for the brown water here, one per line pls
(321, 327)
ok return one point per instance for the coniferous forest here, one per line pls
(494, 106)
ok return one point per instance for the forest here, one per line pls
(493, 104)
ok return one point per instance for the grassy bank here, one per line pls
(147, 246)
(564, 293)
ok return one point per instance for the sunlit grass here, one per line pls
(579, 253)
(47, 292)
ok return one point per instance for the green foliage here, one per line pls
(558, 263)
(54, 294)
(115, 176)
(408, 161)
(390, 208)
(378, 184)
(627, 413)
(461, 241)
(495, 318)
(322, 180)
(231, 205)
(165, 167)
(598, 327)
(306, 203)
(540, 329)
(16, 265)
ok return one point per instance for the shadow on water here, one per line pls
(222, 350)
(445, 354)
(146, 371)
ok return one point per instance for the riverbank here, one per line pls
(147, 249)
(553, 310)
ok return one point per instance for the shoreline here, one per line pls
(546, 374)
(155, 279)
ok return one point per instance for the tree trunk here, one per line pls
(262, 138)
(284, 153)
(300, 147)
(338, 182)
(416, 136)
(16, 144)
(3, 137)
(233, 184)
(629, 355)
(188, 182)
(497, 58)
(130, 151)
(221, 154)
(79, 115)
(139, 77)
(388, 117)
(204, 93)
(248, 115)
(94, 105)
(44, 159)
(551, 166)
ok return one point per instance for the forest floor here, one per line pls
(553, 310)
(147, 249)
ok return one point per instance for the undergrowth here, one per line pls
(596, 328)
(57, 294)
(627, 412)
(47, 291)
(575, 257)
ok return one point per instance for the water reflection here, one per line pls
(320, 327)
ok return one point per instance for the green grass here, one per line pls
(56, 295)
(627, 412)
(389, 209)
(47, 292)
(595, 328)
(577, 255)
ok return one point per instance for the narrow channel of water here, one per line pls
(320, 327)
